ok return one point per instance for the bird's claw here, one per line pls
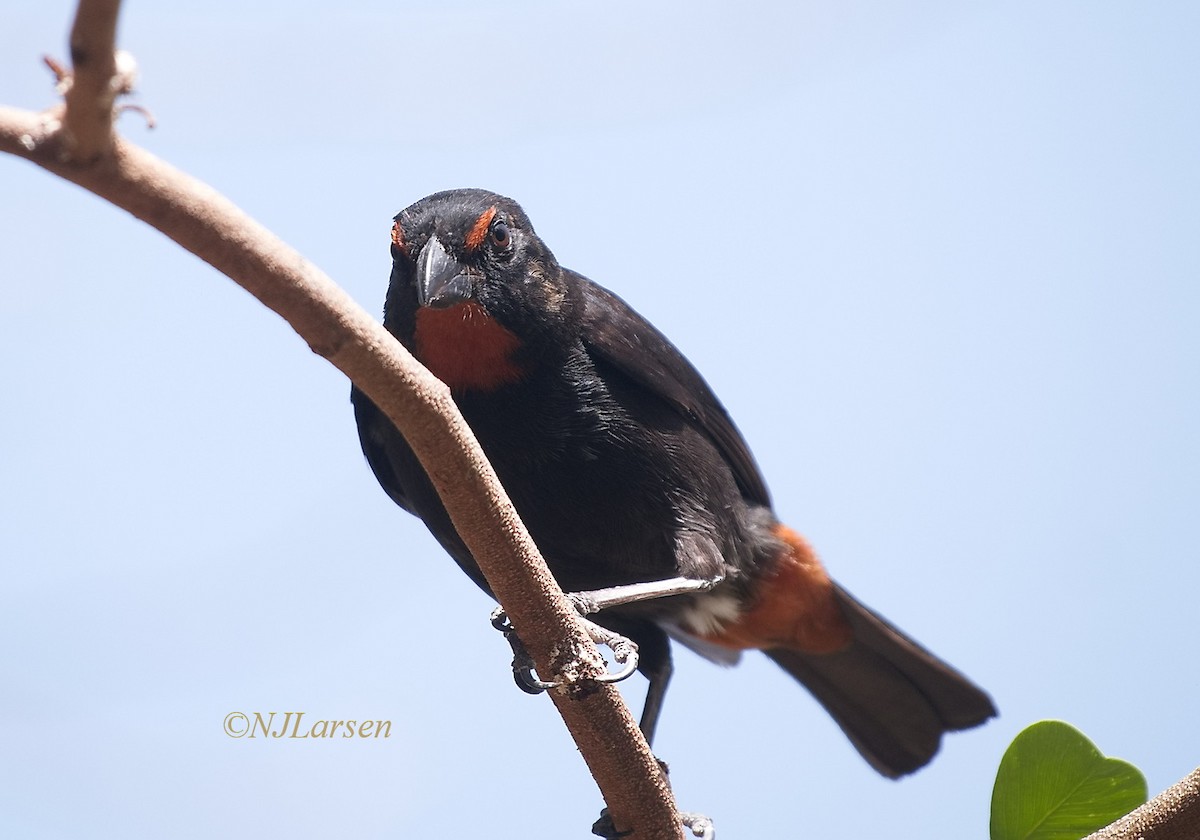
(522, 663)
(606, 828)
(499, 620)
(700, 825)
(624, 651)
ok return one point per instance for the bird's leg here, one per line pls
(631, 593)
(657, 667)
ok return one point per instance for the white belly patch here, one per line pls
(708, 614)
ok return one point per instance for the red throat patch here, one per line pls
(794, 606)
(466, 348)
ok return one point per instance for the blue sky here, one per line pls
(939, 261)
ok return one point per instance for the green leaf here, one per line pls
(1053, 784)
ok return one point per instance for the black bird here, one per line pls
(626, 468)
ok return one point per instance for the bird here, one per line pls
(627, 469)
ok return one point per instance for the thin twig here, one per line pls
(95, 85)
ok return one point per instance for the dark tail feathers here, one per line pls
(893, 698)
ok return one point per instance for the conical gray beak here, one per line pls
(442, 281)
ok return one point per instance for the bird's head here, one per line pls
(472, 285)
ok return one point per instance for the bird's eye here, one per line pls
(501, 238)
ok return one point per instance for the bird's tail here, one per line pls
(893, 698)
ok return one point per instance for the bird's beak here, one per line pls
(442, 281)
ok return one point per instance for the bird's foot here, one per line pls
(522, 663)
(700, 826)
(624, 652)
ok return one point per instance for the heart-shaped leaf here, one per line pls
(1053, 784)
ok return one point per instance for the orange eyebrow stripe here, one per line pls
(480, 229)
(398, 237)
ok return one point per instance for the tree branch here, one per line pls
(81, 148)
(88, 121)
(1172, 815)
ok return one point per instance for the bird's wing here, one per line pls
(624, 339)
(376, 435)
(390, 457)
